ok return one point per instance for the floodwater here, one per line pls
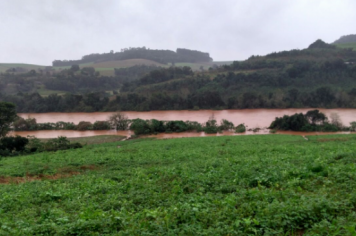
(252, 118)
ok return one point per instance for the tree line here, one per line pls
(160, 56)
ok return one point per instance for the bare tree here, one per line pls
(335, 120)
(119, 121)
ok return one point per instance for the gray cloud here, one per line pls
(39, 31)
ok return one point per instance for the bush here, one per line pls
(193, 125)
(140, 126)
(211, 126)
(353, 126)
(226, 125)
(241, 128)
(22, 124)
(176, 126)
(84, 125)
(101, 125)
(9, 145)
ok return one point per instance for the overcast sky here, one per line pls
(40, 31)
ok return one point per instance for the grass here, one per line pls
(97, 139)
(237, 185)
(346, 45)
(46, 92)
(6, 66)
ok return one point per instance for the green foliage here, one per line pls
(241, 128)
(101, 125)
(321, 44)
(161, 56)
(313, 120)
(84, 125)
(60, 143)
(7, 117)
(11, 146)
(226, 125)
(237, 185)
(353, 126)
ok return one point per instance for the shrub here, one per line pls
(140, 126)
(176, 126)
(84, 125)
(21, 124)
(353, 126)
(9, 145)
(226, 125)
(210, 126)
(156, 126)
(101, 125)
(60, 125)
(193, 125)
(241, 128)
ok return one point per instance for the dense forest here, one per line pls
(320, 76)
(161, 56)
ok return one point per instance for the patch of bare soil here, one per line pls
(64, 172)
(332, 139)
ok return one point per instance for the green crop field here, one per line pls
(231, 185)
(346, 45)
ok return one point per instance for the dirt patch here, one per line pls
(29, 178)
(88, 167)
(332, 139)
(64, 172)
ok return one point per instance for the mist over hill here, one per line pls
(346, 39)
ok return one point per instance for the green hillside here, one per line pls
(346, 45)
(237, 185)
(6, 66)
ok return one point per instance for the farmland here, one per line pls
(6, 66)
(237, 185)
(346, 45)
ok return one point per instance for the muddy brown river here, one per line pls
(253, 118)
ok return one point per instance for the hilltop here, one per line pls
(161, 56)
(347, 41)
(322, 75)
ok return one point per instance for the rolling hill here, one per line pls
(346, 45)
(5, 66)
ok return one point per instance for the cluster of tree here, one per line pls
(154, 126)
(346, 39)
(13, 146)
(81, 80)
(313, 120)
(161, 56)
(315, 77)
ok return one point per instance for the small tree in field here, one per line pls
(119, 121)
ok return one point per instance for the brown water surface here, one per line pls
(252, 118)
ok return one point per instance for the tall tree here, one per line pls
(7, 116)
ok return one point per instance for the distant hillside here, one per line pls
(159, 56)
(347, 45)
(19, 67)
(346, 39)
